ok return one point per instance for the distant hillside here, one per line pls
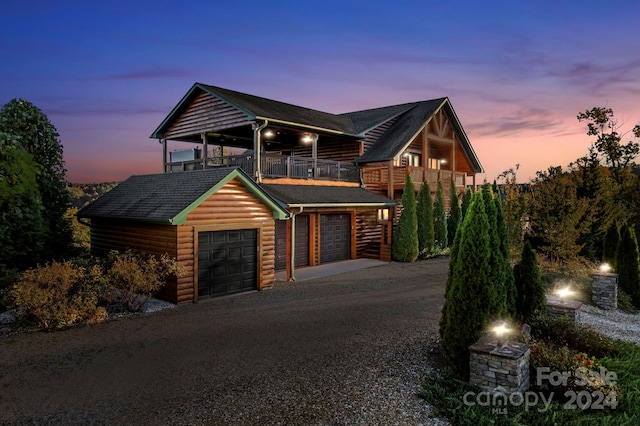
(84, 193)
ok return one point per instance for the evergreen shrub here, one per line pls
(405, 237)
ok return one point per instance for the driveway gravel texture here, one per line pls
(349, 349)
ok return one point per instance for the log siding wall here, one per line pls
(343, 152)
(232, 207)
(121, 235)
(206, 113)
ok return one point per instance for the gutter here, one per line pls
(321, 129)
(257, 149)
(293, 244)
(343, 205)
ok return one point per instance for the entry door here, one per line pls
(335, 237)
(302, 242)
(227, 262)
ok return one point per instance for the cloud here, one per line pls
(599, 78)
(144, 74)
(519, 121)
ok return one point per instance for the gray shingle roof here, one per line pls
(370, 118)
(411, 116)
(161, 197)
(393, 140)
(275, 110)
(296, 195)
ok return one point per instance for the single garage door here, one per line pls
(227, 262)
(335, 237)
(302, 242)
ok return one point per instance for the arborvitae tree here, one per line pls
(509, 282)
(496, 261)
(440, 219)
(628, 264)
(31, 127)
(455, 214)
(471, 296)
(425, 219)
(531, 300)
(466, 201)
(405, 237)
(610, 245)
(453, 255)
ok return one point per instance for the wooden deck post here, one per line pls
(164, 155)
(205, 149)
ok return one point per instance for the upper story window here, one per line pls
(408, 159)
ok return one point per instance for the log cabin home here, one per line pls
(250, 186)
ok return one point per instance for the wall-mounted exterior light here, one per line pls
(383, 215)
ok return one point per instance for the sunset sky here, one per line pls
(517, 72)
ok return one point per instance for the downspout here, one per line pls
(293, 244)
(360, 174)
(257, 148)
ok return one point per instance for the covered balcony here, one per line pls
(272, 166)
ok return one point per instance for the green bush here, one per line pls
(404, 247)
(566, 360)
(470, 296)
(581, 337)
(134, 277)
(440, 219)
(455, 214)
(424, 212)
(59, 295)
(610, 245)
(628, 264)
(531, 301)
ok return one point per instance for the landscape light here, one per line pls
(605, 267)
(564, 292)
(500, 329)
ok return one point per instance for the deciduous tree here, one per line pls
(22, 228)
(28, 124)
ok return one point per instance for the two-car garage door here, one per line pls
(227, 262)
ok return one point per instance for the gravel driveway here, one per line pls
(343, 350)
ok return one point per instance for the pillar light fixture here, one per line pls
(605, 267)
(268, 134)
(308, 138)
(500, 329)
(563, 293)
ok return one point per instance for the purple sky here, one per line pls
(517, 73)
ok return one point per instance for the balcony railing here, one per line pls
(378, 177)
(277, 166)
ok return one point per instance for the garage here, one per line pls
(227, 262)
(301, 244)
(335, 237)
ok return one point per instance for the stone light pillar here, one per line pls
(563, 308)
(605, 290)
(499, 368)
